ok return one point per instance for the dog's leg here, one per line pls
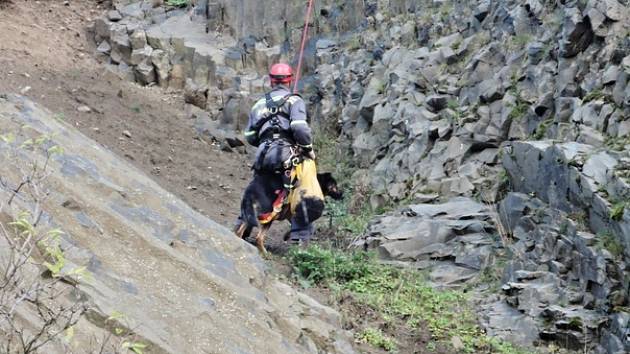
(248, 231)
(260, 238)
(240, 230)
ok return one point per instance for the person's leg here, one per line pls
(300, 232)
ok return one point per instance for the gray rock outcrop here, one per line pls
(576, 178)
(453, 240)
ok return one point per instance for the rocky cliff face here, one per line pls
(437, 103)
(445, 99)
(155, 270)
(427, 102)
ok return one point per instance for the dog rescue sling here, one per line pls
(305, 200)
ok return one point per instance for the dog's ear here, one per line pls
(324, 178)
(329, 185)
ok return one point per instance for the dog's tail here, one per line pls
(248, 211)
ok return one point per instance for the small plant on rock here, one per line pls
(617, 210)
(519, 109)
(541, 130)
(580, 218)
(376, 338)
(519, 41)
(594, 95)
(608, 241)
(445, 10)
(177, 3)
(27, 250)
(617, 143)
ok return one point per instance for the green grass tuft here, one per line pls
(594, 95)
(519, 41)
(608, 241)
(617, 143)
(541, 130)
(377, 339)
(617, 210)
(519, 109)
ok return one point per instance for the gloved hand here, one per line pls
(310, 154)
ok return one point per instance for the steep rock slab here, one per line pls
(184, 283)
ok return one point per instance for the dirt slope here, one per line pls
(45, 55)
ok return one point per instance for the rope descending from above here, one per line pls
(304, 36)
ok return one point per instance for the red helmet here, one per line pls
(281, 74)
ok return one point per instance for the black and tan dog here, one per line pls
(259, 199)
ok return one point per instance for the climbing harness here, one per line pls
(304, 36)
(275, 109)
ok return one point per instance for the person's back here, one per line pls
(278, 120)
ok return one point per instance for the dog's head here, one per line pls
(329, 186)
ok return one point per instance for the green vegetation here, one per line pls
(135, 347)
(177, 3)
(350, 216)
(490, 276)
(396, 294)
(617, 210)
(49, 243)
(617, 143)
(519, 109)
(603, 191)
(519, 41)
(354, 43)
(580, 218)
(608, 241)
(541, 130)
(595, 95)
(455, 46)
(400, 297)
(452, 104)
(445, 10)
(128, 340)
(553, 20)
(503, 176)
(377, 339)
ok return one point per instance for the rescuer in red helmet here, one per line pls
(278, 128)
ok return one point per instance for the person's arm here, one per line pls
(251, 134)
(299, 126)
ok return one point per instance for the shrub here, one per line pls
(317, 265)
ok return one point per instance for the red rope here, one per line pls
(304, 35)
